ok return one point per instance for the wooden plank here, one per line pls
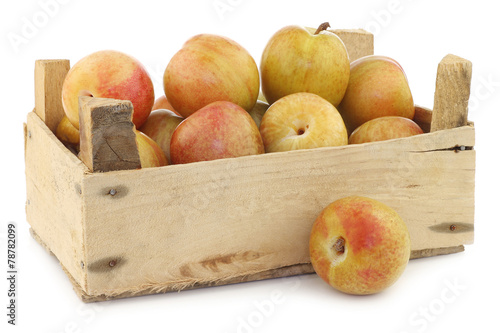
(286, 271)
(293, 270)
(358, 42)
(53, 192)
(451, 97)
(107, 136)
(196, 231)
(49, 78)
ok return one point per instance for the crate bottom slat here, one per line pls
(287, 271)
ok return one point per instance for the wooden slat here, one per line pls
(298, 269)
(223, 219)
(451, 97)
(53, 195)
(107, 137)
(49, 78)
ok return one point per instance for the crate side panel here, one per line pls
(179, 226)
(54, 204)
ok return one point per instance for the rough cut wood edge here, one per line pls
(288, 271)
(107, 135)
(436, 251)
(451, 97)
(53, 195)
(49, 78)
(358, 42)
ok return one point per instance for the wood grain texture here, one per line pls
(49, 78)
(196, 232)
(107, 136)
(451, 97)
(53, 195)
(358, 42)
(293, 270)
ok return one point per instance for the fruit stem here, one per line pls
(339, 245)
(322, 26)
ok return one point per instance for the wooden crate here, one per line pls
(136, 232)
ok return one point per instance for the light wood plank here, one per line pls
(54, 199)
(287, 271)
(49, 78)
(451, 97)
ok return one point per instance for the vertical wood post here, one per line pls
(49, 78)
(451, 97)
(107, 134)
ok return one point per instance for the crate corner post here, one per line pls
(49, 79)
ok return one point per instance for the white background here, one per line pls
(455, 290)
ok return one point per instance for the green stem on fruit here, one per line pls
(339, 245)
(322, 26)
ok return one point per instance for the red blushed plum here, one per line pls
(210, 68)
(359, 245)
(108, 74)
(377, 87)
(218, 130)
